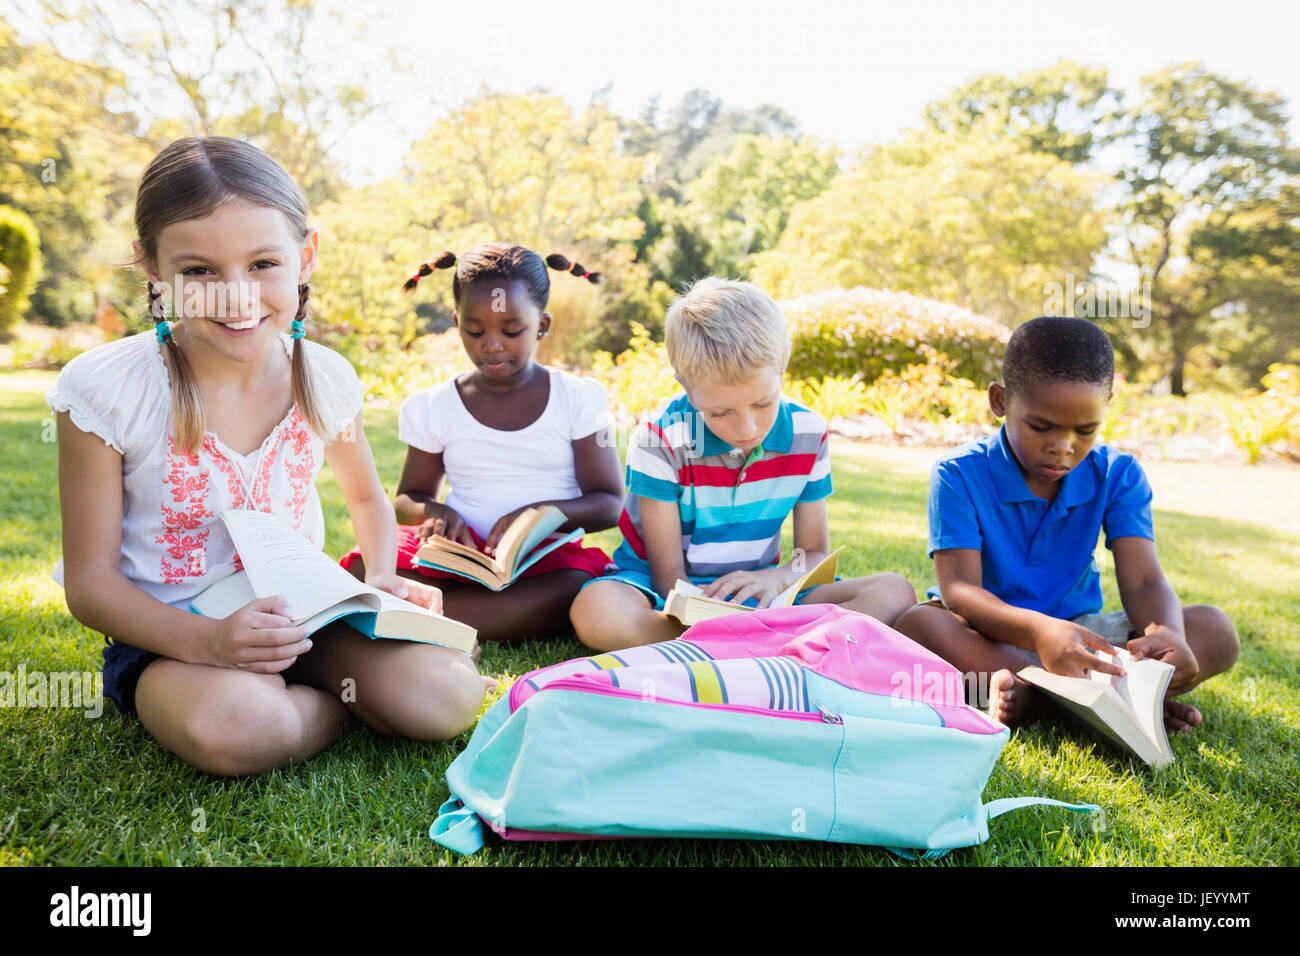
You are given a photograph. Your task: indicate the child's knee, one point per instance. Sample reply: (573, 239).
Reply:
(592, 611)
(1214, 638)
(439, 698)
(898, 590)
(924, 623)
(251, 731)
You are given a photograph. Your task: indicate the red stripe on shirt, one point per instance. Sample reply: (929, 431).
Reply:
(630, 535)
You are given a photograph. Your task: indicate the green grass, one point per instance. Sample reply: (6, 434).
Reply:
(89, 791)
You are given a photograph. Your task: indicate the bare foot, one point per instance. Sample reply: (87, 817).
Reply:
(1180, 717)
(1011, 700)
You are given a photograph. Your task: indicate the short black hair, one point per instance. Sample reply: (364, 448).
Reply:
(1054, 348)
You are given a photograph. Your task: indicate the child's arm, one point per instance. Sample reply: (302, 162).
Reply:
(417, 498)
(600, 477)
(661, 529)
(812, 542)
(1153, 609)
(372, 517)
(258, 637)
(1061, 645)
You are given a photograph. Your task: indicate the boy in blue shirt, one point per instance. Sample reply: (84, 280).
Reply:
(1014, 520)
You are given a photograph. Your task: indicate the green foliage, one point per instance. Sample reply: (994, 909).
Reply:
(865, 332)
(742, 199)
(639, 379)
(20, 266)
(69, 158)
(927, 392)
(832, 396)
(1210, 209)
(1260, 420)
(1063, 110)
(986, 225)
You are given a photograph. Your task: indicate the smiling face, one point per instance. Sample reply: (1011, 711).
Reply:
(740, 414)
(240, 268)
(500, 327)
(1050, 427)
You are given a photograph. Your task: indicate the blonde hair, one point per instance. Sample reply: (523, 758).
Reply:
(188, 179)
(725, 331)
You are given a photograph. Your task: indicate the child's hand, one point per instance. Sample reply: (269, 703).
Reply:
(498, 529)
(1063, 649)
(417, 592)
(1161, 644)
(739, 586)
(446, 522)
(258, 637)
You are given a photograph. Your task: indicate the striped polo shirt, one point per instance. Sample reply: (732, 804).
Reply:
(731, 506)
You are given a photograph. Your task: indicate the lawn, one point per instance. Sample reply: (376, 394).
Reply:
(80, 791)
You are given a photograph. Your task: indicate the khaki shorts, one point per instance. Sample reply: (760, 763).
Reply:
(1113, 626)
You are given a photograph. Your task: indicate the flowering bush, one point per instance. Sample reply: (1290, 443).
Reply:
(639, 379)
(866, 332)
(831, 397)
(927, 392)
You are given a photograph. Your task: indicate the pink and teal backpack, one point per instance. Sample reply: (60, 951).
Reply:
(808, 722)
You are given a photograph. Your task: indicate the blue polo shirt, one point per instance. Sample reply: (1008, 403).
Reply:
(1037, 554)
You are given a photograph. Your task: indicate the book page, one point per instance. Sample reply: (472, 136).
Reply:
(281, 561)
(823, 572)
(527, 531)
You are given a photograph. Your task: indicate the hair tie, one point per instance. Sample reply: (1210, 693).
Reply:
(164, 330)
(296, 331)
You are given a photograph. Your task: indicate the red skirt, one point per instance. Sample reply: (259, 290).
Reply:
(572, 556)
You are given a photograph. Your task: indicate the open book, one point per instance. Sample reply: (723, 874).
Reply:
(278, 560)
(687, 603)
(1128, 711)
(523, 545)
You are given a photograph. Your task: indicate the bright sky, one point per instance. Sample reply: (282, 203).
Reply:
(853, 71)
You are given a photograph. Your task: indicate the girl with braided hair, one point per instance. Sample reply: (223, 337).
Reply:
(510, 435)
(160, 433)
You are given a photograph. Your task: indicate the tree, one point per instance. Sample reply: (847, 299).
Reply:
(245, 68)
(523, 169)
(741, 201)
(69, 158)
(1210, 207)
(1064, 110)
(986, 225)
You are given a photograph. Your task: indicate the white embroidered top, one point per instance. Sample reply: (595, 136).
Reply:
(173, 541)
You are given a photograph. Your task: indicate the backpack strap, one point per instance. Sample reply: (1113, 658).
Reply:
(457, 828)
(993, 809)
(996, 808)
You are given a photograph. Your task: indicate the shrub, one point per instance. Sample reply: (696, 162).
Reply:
(866, 332)
(639, 378)
(831, 397)
(20, 266)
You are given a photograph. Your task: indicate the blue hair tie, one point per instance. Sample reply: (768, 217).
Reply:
(296, 331)
(164, 331)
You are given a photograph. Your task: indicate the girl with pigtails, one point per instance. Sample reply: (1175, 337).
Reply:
(509, 435)
(231, 408)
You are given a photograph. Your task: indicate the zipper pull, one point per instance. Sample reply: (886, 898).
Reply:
(827, 716)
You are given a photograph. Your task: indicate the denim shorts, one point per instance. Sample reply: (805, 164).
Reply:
(123, 665)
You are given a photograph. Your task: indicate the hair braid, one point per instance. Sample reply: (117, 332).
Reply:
(444, 261)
